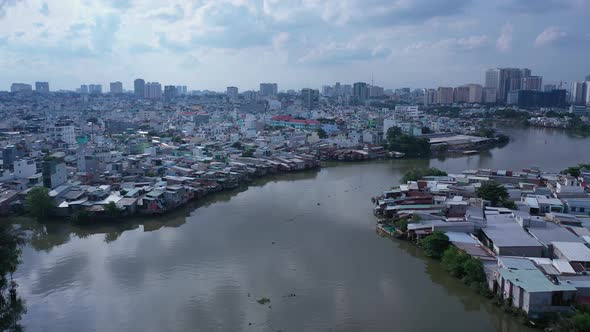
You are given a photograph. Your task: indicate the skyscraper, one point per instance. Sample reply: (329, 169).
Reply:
(429, 97)
(95, 89)
(42, 87)
(461, 94)
(505, 80)
(20, 87)
(475, 93)
(532, 83)
(170, 92)
(444, 95)
(310, 98)
(84, 89)
(268, 89)
(579, 90)
(587, 79)
(181, 90)
(489, 95)
(139, 88)
(360, 92)
(116, 88)
(153, 90)
(232, 92)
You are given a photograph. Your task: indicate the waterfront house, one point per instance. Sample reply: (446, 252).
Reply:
(527, 288)
(505, 236)
(576, 253)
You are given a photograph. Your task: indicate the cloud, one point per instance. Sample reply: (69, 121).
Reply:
(280, 39)
(504, 42)
(334, 53)
(119, 4)
(549, 36)
(364, 12)
(44, 9)
(103, 32)
(449, 44)
(169, 15)
(4, 4)
(541, 6)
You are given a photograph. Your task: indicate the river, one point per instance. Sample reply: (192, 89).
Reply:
(306, 241)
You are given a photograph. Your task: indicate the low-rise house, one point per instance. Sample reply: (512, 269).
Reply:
(576, 253)
(528, 289)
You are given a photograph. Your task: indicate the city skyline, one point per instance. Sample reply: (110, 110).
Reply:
(295, 43)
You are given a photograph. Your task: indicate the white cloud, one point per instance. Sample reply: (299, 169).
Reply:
(280, 39)
(504, 42)
(450, 44)
(549, 36)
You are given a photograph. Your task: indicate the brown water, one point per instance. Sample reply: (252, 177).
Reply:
(309, 234)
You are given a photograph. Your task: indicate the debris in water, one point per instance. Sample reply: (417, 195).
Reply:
(263, 300)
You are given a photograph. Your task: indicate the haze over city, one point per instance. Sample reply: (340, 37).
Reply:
(305, 43)
(295, 165)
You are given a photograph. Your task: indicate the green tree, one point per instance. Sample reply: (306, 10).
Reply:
(435, 244)
(453, 261)
(402, 225)
(581, 321)
(11, 306)
(112, 210)
(474, 272)
(419, 173)
(322, 133)
(492, 191)
(411, 146)
(39, 204)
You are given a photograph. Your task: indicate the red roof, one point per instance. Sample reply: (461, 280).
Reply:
(288, 118)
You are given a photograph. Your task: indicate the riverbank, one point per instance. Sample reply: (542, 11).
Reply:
(506, 246)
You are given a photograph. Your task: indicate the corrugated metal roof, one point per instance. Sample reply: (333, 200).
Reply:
(572, 251)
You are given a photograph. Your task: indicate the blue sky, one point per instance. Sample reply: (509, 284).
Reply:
(210, 44)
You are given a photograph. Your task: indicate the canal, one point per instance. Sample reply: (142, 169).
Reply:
(305, 241)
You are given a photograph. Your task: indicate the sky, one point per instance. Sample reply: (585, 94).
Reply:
(211, 44)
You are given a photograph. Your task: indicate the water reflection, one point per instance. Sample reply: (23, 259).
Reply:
(310, 234)
(45, 236)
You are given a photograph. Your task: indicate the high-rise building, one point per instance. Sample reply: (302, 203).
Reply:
(587, 79)
(444, 95)
(84, 89)
(139, 88)
(360, 92)
(376, 91)
(587, 93)
(95, 89)
(489, 95)
(529, 98)
(310, 98)
(461, 94)
(42, 87)
(337, 89)
(170, 92)
(20, 87)
(232, 92)
(505, 80)
(429, 97)
(181, 90)
(531, 83)
(153, 90)
(268, 89)
(249, 95)
(578, 95)
(116, 87)
(475, 93)
(549, 87)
